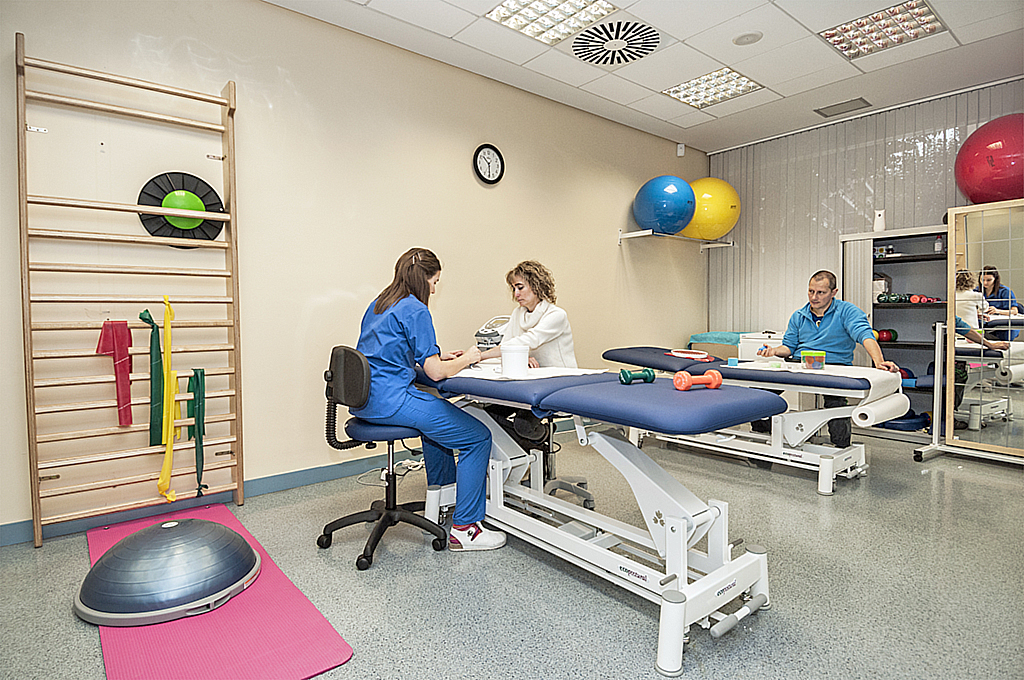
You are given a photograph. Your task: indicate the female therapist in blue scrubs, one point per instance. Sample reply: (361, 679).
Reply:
(397, 333)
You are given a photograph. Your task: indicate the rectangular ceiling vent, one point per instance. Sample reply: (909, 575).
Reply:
(843, 107)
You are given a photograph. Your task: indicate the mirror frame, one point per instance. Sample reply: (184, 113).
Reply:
(956, 235)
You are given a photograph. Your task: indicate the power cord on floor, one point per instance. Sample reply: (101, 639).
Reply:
(377, 476)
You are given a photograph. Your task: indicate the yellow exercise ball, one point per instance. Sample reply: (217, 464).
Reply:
(717, 209)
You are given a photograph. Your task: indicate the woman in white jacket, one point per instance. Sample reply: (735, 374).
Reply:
(537, 322)
(544, 327)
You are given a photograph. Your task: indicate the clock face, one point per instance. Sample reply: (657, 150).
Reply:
(488, 164)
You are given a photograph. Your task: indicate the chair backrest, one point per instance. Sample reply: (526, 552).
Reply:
(348, 378)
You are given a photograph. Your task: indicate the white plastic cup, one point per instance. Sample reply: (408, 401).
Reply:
(514, 360)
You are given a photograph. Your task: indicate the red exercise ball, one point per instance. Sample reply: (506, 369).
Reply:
(990, 164)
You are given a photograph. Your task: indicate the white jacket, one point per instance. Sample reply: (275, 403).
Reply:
(546, 331)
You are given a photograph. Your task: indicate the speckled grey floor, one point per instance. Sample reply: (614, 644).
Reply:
(916, 571)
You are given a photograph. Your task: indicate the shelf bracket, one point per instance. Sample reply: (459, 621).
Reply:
(704, 245)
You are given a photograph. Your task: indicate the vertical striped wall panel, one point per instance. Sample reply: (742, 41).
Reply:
(801, 192)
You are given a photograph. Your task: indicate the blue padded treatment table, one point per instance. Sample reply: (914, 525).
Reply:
(531, 392)
(660, 407)
(655, 357)
(652, 357)
(1005, 322)
(977, 352)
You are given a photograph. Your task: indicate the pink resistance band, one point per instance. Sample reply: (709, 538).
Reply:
(115, 339)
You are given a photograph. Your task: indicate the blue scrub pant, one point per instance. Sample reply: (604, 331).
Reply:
(445, 427)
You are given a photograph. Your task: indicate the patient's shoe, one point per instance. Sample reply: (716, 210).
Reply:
(474, 537)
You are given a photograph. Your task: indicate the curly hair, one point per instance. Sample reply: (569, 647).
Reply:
(964, 280)
(537, 276)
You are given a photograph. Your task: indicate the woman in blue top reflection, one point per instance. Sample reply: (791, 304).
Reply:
(1001, 301)
(397, 332)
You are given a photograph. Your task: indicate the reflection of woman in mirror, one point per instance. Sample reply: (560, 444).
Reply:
(970, 303)
(1001, 301)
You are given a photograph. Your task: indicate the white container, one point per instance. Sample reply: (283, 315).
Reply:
(879, 224)
(514, 360)
(751, 342)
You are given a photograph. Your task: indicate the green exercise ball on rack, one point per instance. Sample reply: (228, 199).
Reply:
(181, 191)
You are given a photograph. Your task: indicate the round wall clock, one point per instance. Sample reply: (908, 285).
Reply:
(488, 164)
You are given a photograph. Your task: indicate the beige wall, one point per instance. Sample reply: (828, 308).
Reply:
(349, 152)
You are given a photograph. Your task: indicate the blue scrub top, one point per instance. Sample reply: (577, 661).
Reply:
(841, 328)
(1003, 298)
(394, 342)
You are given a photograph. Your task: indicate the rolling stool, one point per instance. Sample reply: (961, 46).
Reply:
(348, 383)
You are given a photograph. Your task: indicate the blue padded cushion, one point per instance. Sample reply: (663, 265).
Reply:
(530, 392)
(660, 407)
(652, 357)
(977, 352)
(362, 431)
(1004, 322)
(808, 379)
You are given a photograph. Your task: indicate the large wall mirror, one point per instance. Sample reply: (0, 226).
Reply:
(985, 387)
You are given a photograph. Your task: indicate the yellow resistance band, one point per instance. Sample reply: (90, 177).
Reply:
(172, 410)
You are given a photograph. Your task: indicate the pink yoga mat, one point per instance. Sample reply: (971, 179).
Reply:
(269, 630)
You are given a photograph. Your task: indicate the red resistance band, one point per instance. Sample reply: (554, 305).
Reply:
(115, 339)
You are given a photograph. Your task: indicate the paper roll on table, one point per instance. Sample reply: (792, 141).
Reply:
(886, 408)
(1010, 374)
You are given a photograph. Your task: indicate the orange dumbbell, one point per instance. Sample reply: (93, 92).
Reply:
(684, 381)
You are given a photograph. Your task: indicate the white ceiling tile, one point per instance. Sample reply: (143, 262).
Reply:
(477, 7)
(810, 81)
(818, 15)
(683, 18)
(799, 58)
(959, 13)
(617, 89)
(501, 41)
(778, 29)
(669, 67)
(694, 117)
(906, 52)
(990, 27)
(742, 103)
(564, 68)
(662, 106)
(434, 15)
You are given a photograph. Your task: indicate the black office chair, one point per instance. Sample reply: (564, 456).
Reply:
(348, 383)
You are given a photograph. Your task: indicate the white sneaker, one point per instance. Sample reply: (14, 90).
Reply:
(475, 537)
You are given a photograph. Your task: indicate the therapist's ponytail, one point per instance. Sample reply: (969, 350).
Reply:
(412, 274)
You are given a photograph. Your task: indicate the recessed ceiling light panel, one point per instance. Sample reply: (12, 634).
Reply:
(886, 28)
(713, 88)
(615, 42)
(550, 21)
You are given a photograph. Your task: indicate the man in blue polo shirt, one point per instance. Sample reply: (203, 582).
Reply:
(835, 327)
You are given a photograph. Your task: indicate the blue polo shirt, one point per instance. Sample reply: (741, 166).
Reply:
(841, 328)
(1004, 299)
(394, 342)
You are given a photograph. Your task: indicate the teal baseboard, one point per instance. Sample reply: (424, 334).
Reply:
(21, 532)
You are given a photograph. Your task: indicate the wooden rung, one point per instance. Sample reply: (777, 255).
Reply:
(140, 427)
(47, 98)
(159, 500)
(121, 80)
(134, 377)
(113, 269)
(133, 299)
(129, 208)
(125, 238)
(137, 479)
(133, 325)
(125, 454)
(134, 351)
(112, 403)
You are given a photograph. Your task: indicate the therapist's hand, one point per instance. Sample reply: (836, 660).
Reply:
(448, 356)
(471, 355)
(532, 363)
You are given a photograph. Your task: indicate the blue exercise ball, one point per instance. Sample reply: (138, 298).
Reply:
(665, 204)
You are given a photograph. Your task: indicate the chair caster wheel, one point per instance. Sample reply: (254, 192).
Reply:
(588, 504)
(324, 540)
(439, 544)
(363, 562)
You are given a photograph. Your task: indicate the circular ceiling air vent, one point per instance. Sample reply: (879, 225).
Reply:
(616, 42)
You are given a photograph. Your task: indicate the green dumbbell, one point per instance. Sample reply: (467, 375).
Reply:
(627, 376)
